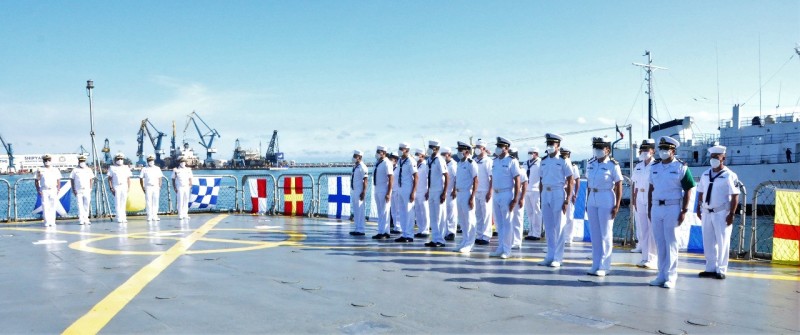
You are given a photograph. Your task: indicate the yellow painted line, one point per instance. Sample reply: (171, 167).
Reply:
(43, 230)
(99, 316)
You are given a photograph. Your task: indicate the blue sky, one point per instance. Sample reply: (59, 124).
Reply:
(332, 76)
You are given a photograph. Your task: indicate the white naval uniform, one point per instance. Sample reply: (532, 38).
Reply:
(120, 175)
(380, 181)
(569, 217)
(716, 231)
(421, 211)
(182, 179)
(450, 203)
(667, 197)
(533, 208)
(601, 177)
(465, 177)
(554, 172)
(82, 186)
(151, 178)
(436, 172)
(49, 184)
(517, 215)
(406, 169)
(483, 208)
(395, 203)
(356, 204)
(504, 171)
(644, 230)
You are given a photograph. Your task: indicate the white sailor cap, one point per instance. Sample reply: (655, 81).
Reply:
(433, 143)
(533, 149)
(503, 141)
(480, 143)
(151, 158)
(717, 149)
(550, 137)
(380, 148)
(46, 157)
(419, 151)
(668, 142)
(463, 145)
(119, 156)
(358, 152)
(446, 150)
(403, 145)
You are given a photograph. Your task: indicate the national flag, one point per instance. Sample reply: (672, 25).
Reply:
(293, 196)
(62, 205)
(204, 193)
(338, 197)
(621, 135)
(258, 194)
(786, 234)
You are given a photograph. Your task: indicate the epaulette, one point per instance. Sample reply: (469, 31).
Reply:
(657, 160)
(469, 160)
(613, 161)
(545, 157)
(592, 160)
(680, 161)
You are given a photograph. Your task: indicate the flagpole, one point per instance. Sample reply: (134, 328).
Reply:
(102, 208)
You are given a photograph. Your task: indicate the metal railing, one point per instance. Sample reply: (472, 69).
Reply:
(164, 197)
(763, 216)
(5, 208)
(226, 199)
(26, 196)
(309, 191)
(271, 196)
(324, 196)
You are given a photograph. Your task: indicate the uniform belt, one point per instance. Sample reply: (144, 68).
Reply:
(642, 190)
(552, 188)
(465, 189)
(501, 190)
(595, 190)
(717, 209)
(671, 202)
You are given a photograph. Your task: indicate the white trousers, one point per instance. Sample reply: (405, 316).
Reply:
(716, 240)
(517, 219)
(665, 229)
(601, 228)
(395, 210)
(553, 225)
(121, 202)
(569, 222)
(151, 195)
(644, 232)
(421, 213)
(450, 213)
(49, 198)
(502, 217)
(483, 214)
(406, 209)
(437, 216)
(383, 208)
(533, 209)
(359, 211)
(84, 200)
(183, 202)
(466, 219)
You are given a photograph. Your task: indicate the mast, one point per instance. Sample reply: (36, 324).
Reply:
(649, 67)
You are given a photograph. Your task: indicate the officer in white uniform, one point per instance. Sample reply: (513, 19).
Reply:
(569, 216)
(119, 181)
(395, 227)
(670, 185)
(644, 231)
(466, 188)
(407, 192)
(182, 183)
(382, 184)
(506, 181)
(82, 178)
(437, 179)
(358, 193)
(47, 185)
(421, 211)
(450, 202)
(718, 200)
(533, 207)
(556, 188)
(604, 181)
(517, 215)
(150, 181)
(483, 204)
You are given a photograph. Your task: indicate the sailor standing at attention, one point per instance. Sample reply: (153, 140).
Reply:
(556, 190)
(395, 226)
(47, 185)
(182, 183)
(407, 192)
(517, 219)
(604, 181)
(358, 189)
(569, 216)
(437, 179)
(644, 230)
(505, 178)
(420, 204)
(668, 197)
(151, 184)
(382, 182)
(533, 207)
(719, 196)
(450, 202)
(82, 178)
(466, 187)
(119, 181)
(483, 204)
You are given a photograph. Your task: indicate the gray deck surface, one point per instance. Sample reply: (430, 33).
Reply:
(326, 281)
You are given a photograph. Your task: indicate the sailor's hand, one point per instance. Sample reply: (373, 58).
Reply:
(388, 197)
(699, 214)
(361, 196)
(564, 208)
(511, 205)
(681, 217)
(472, 202)
(453, 194)
(426, 196)
(488, 196)
(442, 198)
(729, 219)
(521, 203)
(614, 211)
(412, 197)
(574, 197)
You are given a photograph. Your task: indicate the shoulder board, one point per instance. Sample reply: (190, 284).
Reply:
(546, 157)
(682, 162)
(613, 161)
(469, 160)
(657, 160)
(592, 160)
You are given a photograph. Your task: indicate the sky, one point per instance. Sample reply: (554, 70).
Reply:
(333, 76)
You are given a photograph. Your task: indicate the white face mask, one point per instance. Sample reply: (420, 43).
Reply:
(663, 154)
(119, 162)
(599, 153)
(430, 152)
(151, 163)
(354, 160)
(477, 152)
(551, 149)
(82, 164)
(377, 157)
(47, 164)
(182, 164)
(715, 163)
(530, 156)
(498, 151)
(644, 156)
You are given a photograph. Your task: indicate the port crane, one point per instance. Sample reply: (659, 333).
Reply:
(156, 138)
(207, 138)
(238, 155)
(10, 152)
(273, 156)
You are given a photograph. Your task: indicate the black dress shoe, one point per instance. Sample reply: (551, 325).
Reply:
(430, 244)
(408, 239)
(440, 245)
(494, 233)
(706, 274)
(532, 238)
(395, 232)
(450, 237)
(421, 235)
(719, 275)
(357, 233)
(387, 236)
(481, 242)
(352, 233)
(377, 237)
(400, 239)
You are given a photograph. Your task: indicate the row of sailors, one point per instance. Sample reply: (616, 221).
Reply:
(428, 190)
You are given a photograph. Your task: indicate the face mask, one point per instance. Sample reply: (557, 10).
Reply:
(663, 154)
(151, 163)
(430, 152)
(599, 153)
(644, 156)
(498, 151)
(47, 164)
(377, 157)
(183, 164)
(530, 156)
(477, 152)
(119, 162)
(82, 164)
(715, 163)
(551, 149)
(461, 156)
(354, 160)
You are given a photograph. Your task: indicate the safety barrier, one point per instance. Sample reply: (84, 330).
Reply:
(5, 200)
(738, 234)
(624, 227)
(333, 199)
(270, 188)
(763, 216)
(226, 198)
(290, 192)
(164, 197)
(26, 196)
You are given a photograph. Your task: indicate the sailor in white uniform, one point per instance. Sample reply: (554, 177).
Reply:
(533, 207)
(716, 206)
(82, 179)
(517, 215)
(407, 192)
(506, 181)
(358, 193)
(421, 209)
(668, 197)
(47, 185)
(394, 224)
(483, 204)
(556, 189)
(604, 183)
(569, 216)
(466, 188)
(182, 184)
(450, 202)
(150, 181)
(644, 230)
(382, 184)
(119, 181)
(437, 179)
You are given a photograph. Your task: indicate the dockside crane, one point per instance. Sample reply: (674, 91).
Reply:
(273, 156)
(106, 152)
(207, 138)
(10, 152)
(238, 155)
(156, 138)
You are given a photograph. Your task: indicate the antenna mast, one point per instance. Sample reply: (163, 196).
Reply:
(649, 67)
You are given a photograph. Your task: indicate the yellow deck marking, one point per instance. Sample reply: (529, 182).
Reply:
(97, 318)
(44, 230)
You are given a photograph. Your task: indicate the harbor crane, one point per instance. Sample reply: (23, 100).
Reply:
(10, 152)
(106, 152)
(239, 155)
(156, 138)
(207, 138)
(273, 156)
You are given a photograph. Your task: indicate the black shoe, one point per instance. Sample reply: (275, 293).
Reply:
(481, 242)
(401, 239)
(430, 244)
(352, 233)
(387, 236)
(421, 235)
(440, 245)
(395, 232)
(357, 233)
(450, 237)
(408, 239)
(458, 231)
(706, 274)
(719, 275)
(494, 233)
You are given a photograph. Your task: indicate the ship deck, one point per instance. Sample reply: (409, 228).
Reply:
(228, 274)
